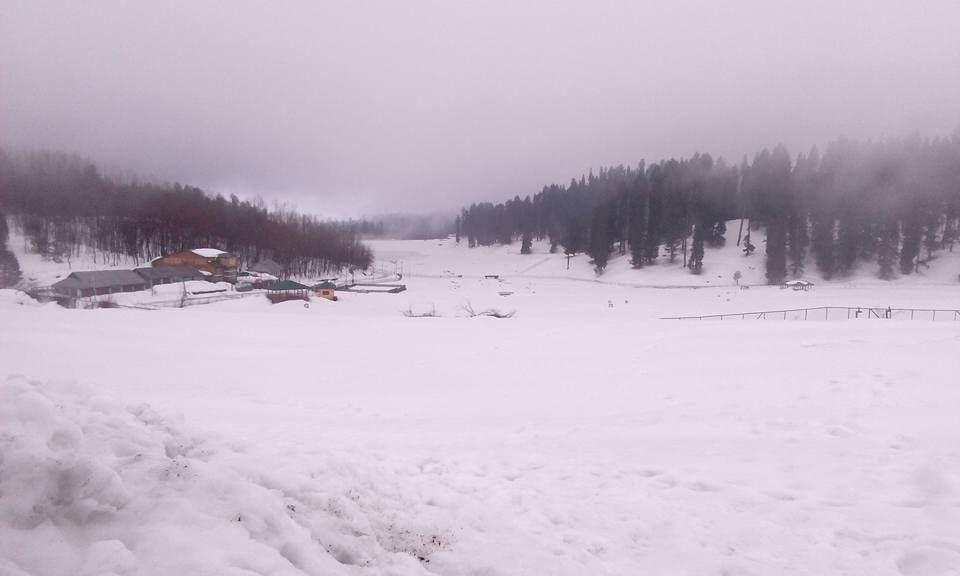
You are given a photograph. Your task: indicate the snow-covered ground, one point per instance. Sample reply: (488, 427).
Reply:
(581, 436)
(39, 271)
(186, 293)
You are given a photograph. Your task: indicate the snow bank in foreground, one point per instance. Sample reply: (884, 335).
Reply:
(87, 487)
(16, 298)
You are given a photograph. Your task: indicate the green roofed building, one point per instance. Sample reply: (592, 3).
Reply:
(287, 290)
(288, 286)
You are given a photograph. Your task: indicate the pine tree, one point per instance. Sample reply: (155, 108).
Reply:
(823, 240)
(776, 251)
(696, 254)
(848, 242)
(526, 243)
(714, 234)
(637, 234)
(931, 227)
(888, 240)
(601, 236)
(912, 236)
(797, 238)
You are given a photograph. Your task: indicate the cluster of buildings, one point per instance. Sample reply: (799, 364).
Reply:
(201, 264)
(207, 264)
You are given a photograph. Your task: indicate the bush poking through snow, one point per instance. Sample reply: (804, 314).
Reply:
(419, 544)
(412, 312)
(492, 312)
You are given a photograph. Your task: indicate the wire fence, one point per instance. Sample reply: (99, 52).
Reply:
(835, 313)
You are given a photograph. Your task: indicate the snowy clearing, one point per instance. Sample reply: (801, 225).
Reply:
(581, 436)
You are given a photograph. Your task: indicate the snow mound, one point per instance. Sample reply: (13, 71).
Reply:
(87, 487)
(16, 298)
(172, 294)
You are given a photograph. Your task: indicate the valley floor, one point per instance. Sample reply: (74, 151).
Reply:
(581, 436)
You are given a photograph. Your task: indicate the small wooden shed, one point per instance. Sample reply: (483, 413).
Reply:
(326, 290)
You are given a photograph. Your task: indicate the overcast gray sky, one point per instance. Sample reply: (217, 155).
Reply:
(360, 107)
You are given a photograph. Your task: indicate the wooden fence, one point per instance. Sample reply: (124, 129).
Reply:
(834, 313)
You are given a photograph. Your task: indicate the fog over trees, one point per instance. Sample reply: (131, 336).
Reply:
(66, 207)
(895, 202)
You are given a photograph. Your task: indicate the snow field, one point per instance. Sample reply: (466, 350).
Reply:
(574, 438)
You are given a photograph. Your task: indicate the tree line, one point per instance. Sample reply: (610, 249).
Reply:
(895, 202)
(66, 208)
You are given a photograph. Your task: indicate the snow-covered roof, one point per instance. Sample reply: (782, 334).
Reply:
(208, 252)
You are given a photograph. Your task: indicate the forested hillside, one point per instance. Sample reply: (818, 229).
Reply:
(895, 202)
(66, 207)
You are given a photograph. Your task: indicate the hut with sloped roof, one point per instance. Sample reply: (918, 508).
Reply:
(326, 290)
(99, 282)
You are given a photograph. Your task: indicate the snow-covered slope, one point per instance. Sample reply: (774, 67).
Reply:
(444, 258)
(39, 271)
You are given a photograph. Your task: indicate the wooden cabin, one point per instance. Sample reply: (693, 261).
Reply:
(221, 266)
